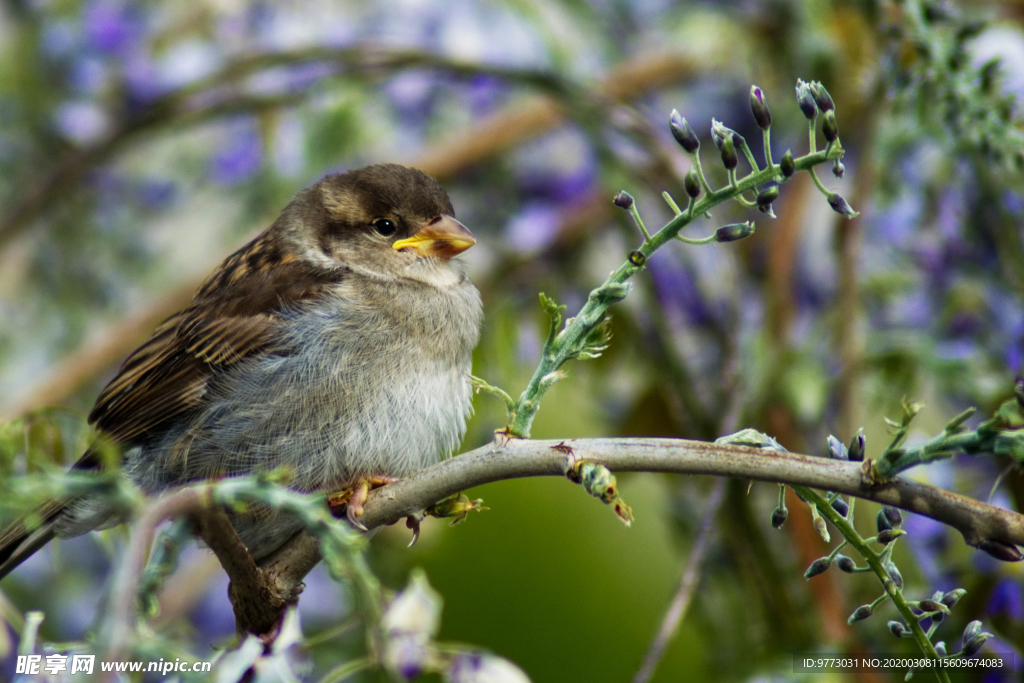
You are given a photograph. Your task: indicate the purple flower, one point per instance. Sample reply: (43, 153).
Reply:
(678, 291)
(928, 541)
(240, 158)
(1007, 599)
(533, 228)
(81, 122)
(156, 193)
(483, 94)
(111, 27)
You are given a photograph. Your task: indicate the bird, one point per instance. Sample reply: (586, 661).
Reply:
(336, 344)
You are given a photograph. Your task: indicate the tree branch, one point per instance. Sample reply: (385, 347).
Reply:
(978, 522)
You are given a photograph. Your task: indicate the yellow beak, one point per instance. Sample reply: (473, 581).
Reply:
(443, 237)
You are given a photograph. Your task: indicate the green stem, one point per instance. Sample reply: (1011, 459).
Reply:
(875, 561)
(343, 671)
(942, 446)
(671, 203)
(700, 174)
(768, 148)
(592, 313)
(824, 190)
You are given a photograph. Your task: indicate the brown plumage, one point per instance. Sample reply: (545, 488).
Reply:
(367, 250)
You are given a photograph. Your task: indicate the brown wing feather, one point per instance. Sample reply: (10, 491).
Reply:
(235, 314)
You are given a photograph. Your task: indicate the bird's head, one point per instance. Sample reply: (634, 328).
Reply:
(387, 220)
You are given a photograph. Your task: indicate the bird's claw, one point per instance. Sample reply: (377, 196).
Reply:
(413, 522)
(354, 498)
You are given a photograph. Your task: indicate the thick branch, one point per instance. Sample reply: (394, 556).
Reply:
(976, 521)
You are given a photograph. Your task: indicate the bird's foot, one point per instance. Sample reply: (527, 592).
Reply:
(354, 497)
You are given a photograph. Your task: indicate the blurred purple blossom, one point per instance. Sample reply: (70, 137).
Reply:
(111, 26)
(81, 122)
(413, 94)
(156, 193)
(896, 222)
(211, 614)
(185, 62)
(558, 185)
(914, 309)
(533, 228)
(88, 75)
(483, 94)
(240, 157)
(928, 540)
(59, 38)
(678, 291)
(1007, 599)
(956, 349)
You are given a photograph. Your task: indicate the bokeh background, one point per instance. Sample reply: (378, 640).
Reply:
(142, 142)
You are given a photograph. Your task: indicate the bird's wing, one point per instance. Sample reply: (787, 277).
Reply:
(236, 314)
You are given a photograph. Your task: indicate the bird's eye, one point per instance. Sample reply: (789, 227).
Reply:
(384, 227)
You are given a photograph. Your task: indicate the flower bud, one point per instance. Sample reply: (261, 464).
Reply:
(479, 667)
(862, 612)
(829, 127)
(952, 597)
(857, 446)
(1001, 551)
(892, 515)
(836, 449)
(882, 521)
(734, 232)
(894, 574)
(888, 536)
(897, 628)
(845, 564)
(729, 158)
(973, 646)
(768, 194)
(759, 108)
(933, 606)
(841, 506)
(623, 200)
(779, 516)
(805, 100)
(683, 133)
(821, 96)
(838, 169)
(787, 165)
(415, 610)
(691, 183)
(819, 566)
(940, 648)
(821, 527)
(719, 132)
(971, 630)
(841, 206)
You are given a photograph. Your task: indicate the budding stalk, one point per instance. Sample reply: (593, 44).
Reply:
(683, 133)
(759, 108)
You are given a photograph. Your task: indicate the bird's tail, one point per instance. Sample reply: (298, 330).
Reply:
(18, 542)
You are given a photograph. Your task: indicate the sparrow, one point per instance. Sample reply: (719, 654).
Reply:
(336, 344)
